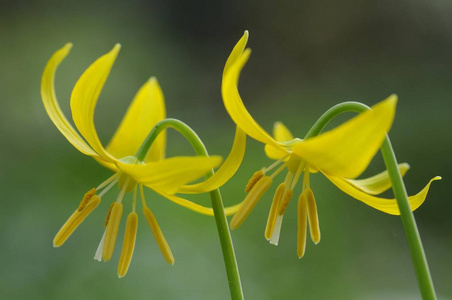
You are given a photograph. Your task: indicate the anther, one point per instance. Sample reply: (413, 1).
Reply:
(108, 215)
(158, 235)
(312, 216)
(287, 196)
(75, 220)
(253, 180)
(274, 211)
(128, 244)
(112, 231)
(250, 201)
(86, 198)
(302, 224)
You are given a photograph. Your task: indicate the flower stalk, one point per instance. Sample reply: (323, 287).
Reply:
(227, 247)
(409, 223)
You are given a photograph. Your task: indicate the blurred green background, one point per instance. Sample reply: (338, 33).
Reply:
(307, 56)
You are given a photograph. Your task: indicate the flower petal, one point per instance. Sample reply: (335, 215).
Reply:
(170, 174)
(379, 183)
(347, 150)
(146, 110)
(281, 132)
(236, 52)
(388, 206)
(53, 108)
(84, 98)
(196, 207)
(226, 170)
(231, 97)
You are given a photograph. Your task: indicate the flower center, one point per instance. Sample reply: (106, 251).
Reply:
(125, 180)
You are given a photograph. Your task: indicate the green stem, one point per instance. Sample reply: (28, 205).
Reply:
(232, 270)
(409, 223)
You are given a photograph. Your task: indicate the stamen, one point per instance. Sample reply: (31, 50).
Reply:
(312, 216)
(158, 235)
(128, 244)
(282, 167)
(297, 175)
(273, 165)
(275, 236)
(306, 183)
(274, 211)
(250, 201)
(253, 180)
(108, 215)
(112, 231)
(100, 248)
(88, 195)
(108, 187)
(302, 224)
(134, 201)
(75, 220)
(106, 182)
(287, 196)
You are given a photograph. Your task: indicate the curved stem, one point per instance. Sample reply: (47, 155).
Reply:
(409, 223)
(232, 270)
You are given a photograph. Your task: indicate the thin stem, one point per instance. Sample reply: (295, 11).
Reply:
(227, 247)
(409, 223)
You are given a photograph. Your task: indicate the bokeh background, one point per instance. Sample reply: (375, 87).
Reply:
(307, 56)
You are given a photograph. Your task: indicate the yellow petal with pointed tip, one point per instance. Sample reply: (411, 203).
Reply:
(84, 99)
(379, 183)
(234, 104)
(236, 52)
(347, 150)
(226, 170)
(146, 110)
(281, 132)
(170, 174)
(53, 108)
(388, 206)
(128, 245)
(198, 208)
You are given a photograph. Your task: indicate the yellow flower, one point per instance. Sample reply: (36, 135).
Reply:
(164, 176)
(341, 154)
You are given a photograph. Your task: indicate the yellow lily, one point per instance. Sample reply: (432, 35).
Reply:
(164, 176)
(341, 154)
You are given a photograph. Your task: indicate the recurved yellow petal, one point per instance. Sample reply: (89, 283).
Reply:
(234, 104)
(196, 207)
(379, 183)
(226, 170)
(236, 52)
(170, 174)
(84, 99)
(53, 108)
(388, 206)
(146, 110)
(347, 150)
(274, 153)
(128, 245)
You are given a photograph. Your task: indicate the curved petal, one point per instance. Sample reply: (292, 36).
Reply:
(281, 132)
(347, 150)
(196, 207)
(274, 153)
(388, 206)
(84, 98)
(170, 174)
(146, 110)
(236, 52)
(234, 104)
(379, 183)
(107, 165)
(53, 108)
(226, 170)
